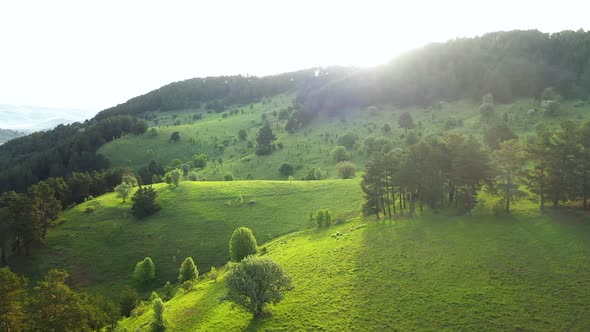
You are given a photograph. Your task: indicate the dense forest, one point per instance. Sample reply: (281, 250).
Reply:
(507, 64)
(449, 172)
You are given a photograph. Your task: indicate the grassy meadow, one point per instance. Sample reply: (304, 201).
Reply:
(311, 146)
(100, 248)
(524, 272)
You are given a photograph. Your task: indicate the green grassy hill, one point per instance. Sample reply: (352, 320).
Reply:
(526, 272)
(311, 146)
(100, 248)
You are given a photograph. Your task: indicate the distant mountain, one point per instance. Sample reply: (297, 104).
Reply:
(29, 118)
(8, 134)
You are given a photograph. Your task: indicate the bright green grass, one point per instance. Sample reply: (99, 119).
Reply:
(311, 146)
(100, 249)
(526, 272)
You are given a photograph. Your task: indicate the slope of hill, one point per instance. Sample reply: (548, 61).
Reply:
(524, 272)
(310, 147)
(510, 65)
(99, 242)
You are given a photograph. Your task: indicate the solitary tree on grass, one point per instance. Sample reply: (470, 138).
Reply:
(188, 270)
(123, 190)
(242, 244)
(255, 282)
(144, 202)
(145, 272)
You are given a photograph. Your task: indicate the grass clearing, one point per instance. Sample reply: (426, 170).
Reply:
(526, 272)
(100, 248)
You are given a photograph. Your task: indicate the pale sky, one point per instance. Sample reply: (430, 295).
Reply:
(91, 55)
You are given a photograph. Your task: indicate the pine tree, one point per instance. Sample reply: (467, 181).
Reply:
(188, 270)
(264, 140)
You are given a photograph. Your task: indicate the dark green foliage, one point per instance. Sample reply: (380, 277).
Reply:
(228, 177)
(314, 174)
(167, 291)
(298, 119)
(286, 169)
(508, 65)
(144, 202)
(79, 184)
(255, 282)
(339, 154)
(13, 290)
(45, 205)
(264, 140)
(144, 272)
(434, 172)
(128, 301)
(498, 134)
(242, 244)
(411, 138)
(175, 136)
(55, 307)
(242, 134)
(323, 218)
(188, 270)
(406, 121)
(347, 140)
(200, 161)
(510, 161)
(59, 152)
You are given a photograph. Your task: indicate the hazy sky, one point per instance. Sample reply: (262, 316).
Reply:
(95, 54)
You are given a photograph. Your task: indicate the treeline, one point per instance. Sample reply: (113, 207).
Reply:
(218, 92)
(449, 172)
(61, 151)
(51, 305)
(25, 217)
(508, 64)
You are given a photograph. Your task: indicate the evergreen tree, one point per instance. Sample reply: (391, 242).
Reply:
(145, 272)
(158, 324)
(406, 121)
(144, 202)
(510, 162)
(264, 140)
(536, 179)
(242, 244)
(188, 270)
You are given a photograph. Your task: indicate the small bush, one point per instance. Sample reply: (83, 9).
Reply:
(167, 291)
(339, 154)
(286, 169)
(187, 285)
(228, 177)
(346, 169)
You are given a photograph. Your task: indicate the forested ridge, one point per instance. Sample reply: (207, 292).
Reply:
(507, 64)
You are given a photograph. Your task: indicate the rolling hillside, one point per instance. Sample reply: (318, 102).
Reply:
(526, 272)
(100, 248)
(311, 146)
